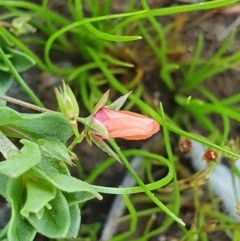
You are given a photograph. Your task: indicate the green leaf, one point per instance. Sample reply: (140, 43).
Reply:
(3, 185)
(4, 41)
(39, 193)
(71, 184)
(34, 126)
(5, 83)
(3, 67)
(22, 161)
(54, 149)
(20, 61)
(75, 216)
(19, 229)
(55, 221)
(50, 165)
(78, 197)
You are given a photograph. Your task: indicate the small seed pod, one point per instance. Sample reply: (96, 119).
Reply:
(210, 155)
(184, 145)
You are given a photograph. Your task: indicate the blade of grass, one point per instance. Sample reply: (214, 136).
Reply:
(20, 81)
(142, 185)
(175, 10)
(70, 27)
(110, 37)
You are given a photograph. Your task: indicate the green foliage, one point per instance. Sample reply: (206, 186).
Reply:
(54, 149)
(99, 49)
(13, 62)
(19, 228)
(34, 126)
(19, 163)
(18, 59)
(55, 219)
(203, 69)
(35, 180)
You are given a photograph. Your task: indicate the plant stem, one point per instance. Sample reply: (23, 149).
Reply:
(24, 104)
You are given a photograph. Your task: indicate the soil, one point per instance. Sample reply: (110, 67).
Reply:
(212, 25)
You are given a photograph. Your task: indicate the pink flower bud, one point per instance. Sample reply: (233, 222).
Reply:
(125, 124)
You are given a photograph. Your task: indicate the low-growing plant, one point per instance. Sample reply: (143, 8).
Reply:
(96, 50)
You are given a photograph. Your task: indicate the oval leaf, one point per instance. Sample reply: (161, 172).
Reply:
(72, 184)
(19, 229)
(39, 194)
(55, 221)
(34, 126)
(75, 221)
(22, 161)
(55, 150)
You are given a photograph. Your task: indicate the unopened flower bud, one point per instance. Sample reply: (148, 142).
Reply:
(67, 103)
(184, 145)
(125, 124)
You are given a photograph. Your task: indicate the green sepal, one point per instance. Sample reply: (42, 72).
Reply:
(118, 103)
(92, 126)
(55, 221)
(103, 146)
(20, 162)
(99, 129)
(101, 102)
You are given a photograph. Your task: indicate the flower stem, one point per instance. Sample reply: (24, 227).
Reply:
(24, 104)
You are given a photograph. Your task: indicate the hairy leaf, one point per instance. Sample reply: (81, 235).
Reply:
(22, 161)
(19, 229)
(39, 194)
(72, 184)
(75, 216)
(55, 221)
(54, 149)
(34, 126)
